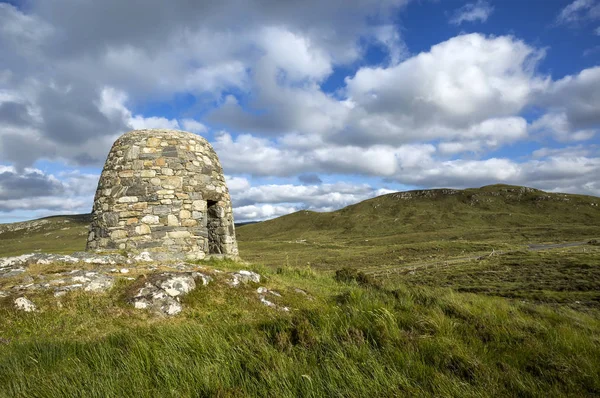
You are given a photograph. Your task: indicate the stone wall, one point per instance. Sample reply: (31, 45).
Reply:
(163, 191)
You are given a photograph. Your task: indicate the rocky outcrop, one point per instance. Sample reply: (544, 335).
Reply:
(163, 191)
(162, 292)
(154, 286)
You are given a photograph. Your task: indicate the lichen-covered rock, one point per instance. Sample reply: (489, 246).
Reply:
(243, 277)
(10, 266)
(162, 292)
(159, 287)
(24, 304)
(178, 285)
(99, 283)
(163, 191)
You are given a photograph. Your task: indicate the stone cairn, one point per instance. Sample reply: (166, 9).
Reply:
(163, 191)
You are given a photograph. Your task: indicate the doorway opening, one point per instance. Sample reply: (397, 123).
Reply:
(213, 222)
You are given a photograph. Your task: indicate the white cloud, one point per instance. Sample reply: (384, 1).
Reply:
(578, 96)
(138, 122)
(489, 134)
(265, 201)
(558, 125)
(260, 157)
(472, 12)
(389, 37)
(565, 171)
(453, 88)
(237, 184)
(193, 126)
(256, 156)
(466, 75)
(294, 54)
(61, 65)
(261, 212)
(32, 189)
(579, 10)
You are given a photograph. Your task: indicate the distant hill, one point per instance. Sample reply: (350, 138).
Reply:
(436, 210)
(411, 227)
(56, 234)
(499, 212)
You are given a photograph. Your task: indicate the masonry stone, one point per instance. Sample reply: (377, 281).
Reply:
(163, 191)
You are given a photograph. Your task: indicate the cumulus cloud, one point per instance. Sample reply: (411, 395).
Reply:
(32, 189)
(261, 212)
(569, 151)
(472, 12)
(578, 96)
(460, 86)
(60, 64)
(32, 183)
(555, 170)
(194, 126)
(252, 203)
(558, 125)
(466, 79)
(262, 157)
(257, 71)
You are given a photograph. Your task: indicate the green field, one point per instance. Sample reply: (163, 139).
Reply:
(353, 339)
(436, 293)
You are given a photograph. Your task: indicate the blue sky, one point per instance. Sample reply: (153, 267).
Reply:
(309, 106)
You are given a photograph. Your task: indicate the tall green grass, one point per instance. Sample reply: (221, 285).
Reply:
(351, 338)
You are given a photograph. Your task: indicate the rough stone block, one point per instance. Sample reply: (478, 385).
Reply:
(199, 205)
(142, 229)
(147, 173)
(150, 219)
(127, 199)
(172, 220)
(118, 234)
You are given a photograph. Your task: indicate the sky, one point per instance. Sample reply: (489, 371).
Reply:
(309, 105)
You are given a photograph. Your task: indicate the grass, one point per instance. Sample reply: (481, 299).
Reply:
(396, 304)
(353, 339)
(560, 276)
(58, 234)
(395, 230)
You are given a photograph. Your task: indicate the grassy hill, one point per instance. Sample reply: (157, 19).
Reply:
(479, 211)
(422, 293)
(401, 228)
(501, 214)
(57, 234)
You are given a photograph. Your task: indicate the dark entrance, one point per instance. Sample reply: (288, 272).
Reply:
(213, 224)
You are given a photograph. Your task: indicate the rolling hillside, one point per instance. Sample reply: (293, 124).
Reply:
(496, 207)
(57, 234)
(402, 228)
(381, 231)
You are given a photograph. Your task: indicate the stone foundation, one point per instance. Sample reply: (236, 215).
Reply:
(163, 191)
